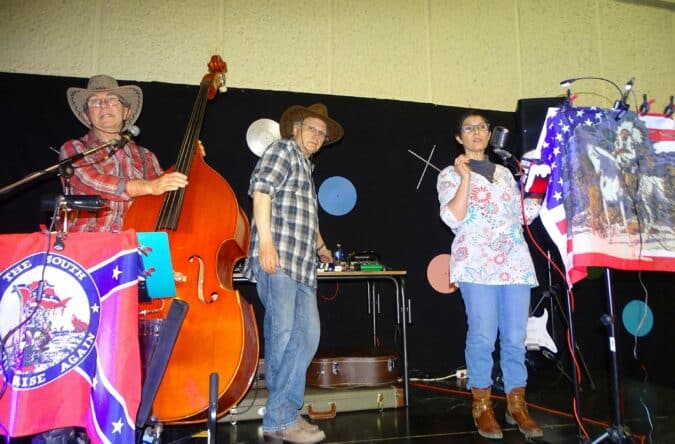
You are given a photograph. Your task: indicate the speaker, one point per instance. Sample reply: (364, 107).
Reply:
(530, 118)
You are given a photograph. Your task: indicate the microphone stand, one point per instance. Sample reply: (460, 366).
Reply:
(61, 204)
(617, 432)
(64, 167)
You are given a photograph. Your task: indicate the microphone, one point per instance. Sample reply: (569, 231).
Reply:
(130, 133)
(626, 89)
(498, 141)
(125, 137)
(621, 105)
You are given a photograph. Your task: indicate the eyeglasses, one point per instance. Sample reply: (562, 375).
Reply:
(481, 127)
(99, 102)
(323, 134)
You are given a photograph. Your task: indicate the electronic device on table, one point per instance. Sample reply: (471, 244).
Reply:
(356, 261)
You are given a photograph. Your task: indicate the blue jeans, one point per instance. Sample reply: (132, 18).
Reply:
(292, 332)
(491, 309)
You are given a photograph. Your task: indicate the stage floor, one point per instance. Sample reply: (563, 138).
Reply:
(440, 412)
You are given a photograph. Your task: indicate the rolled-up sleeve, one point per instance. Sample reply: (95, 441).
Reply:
(447, 185)
(271, 170)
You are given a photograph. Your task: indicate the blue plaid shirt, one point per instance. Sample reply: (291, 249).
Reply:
(285, 175)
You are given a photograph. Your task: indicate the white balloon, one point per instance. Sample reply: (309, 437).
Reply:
(261, 134)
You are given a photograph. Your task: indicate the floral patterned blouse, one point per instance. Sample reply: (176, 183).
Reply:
(489, 246)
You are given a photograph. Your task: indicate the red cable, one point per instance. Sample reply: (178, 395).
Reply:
(331, 298)
(570, 348)
(534, 406)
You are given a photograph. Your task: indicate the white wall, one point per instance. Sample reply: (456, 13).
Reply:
(478, 53)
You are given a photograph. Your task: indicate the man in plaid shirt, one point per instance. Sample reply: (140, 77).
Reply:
(285, 240)
(117, 175)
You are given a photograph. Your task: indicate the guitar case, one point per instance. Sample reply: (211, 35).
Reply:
(353, 369)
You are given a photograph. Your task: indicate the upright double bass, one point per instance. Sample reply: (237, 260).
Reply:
(208, 233)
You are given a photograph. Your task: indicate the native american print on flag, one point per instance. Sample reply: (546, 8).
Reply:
(610, 198)
(69, 323)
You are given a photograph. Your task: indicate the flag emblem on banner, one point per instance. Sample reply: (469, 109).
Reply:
(52, 308)
(71, 329)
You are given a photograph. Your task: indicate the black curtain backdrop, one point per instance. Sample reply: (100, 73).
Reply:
(391, 216)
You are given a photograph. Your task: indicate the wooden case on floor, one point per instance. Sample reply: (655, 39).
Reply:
(322, 403)
(353, 369)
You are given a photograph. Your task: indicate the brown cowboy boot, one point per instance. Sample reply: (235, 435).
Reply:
(483, 415)
(517, 414)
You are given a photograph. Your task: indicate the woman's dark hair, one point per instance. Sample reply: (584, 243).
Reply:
(467, 114)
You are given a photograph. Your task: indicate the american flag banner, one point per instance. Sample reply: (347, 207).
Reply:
(609, 201)
(69, 329)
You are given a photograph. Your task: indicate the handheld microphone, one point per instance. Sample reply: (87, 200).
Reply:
(498, 141)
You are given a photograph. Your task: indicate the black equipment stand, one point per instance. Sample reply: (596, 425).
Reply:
(211, 424)
(616, 432)
(551, 296)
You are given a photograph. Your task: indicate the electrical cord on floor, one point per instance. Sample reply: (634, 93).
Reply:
(459, 373)
(640, 438)
(441, 378)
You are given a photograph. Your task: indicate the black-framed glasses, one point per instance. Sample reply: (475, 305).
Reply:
(480, 127)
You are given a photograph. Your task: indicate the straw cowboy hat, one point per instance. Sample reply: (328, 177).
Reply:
(130, 95)
(297, 113)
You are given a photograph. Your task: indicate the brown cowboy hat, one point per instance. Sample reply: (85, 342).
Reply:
(130, 95)
(297, 113)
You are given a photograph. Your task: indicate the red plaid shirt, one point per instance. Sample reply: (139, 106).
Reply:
(96, 175)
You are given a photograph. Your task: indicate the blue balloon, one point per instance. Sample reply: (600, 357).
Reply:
(638, 318)
(337, 195)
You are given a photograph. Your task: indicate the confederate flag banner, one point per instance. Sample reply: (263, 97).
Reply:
(610, 199)
(69, 331)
